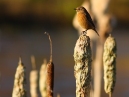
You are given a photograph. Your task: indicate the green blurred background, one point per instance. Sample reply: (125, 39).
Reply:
(51, 13)
(22, 27)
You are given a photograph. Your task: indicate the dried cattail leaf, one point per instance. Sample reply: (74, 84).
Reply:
(19, 81)
(42, 80)
(82, 68)
(109, 62)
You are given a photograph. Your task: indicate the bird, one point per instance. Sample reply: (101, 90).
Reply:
(84, 19)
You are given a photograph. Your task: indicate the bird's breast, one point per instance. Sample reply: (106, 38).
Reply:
(82, 20)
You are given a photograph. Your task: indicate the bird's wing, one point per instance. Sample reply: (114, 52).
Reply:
(89, 18)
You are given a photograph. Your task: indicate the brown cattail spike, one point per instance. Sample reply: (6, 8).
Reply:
(50, 79)
(50, 72)
(50, 45)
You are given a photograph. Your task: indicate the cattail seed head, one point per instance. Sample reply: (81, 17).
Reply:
(109, 63)
(33, 79)
(34, 83)
(42, 80)
(19, 81)
(50, 79)
(82, 67)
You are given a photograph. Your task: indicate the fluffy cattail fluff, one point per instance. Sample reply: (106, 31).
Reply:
(82, 68)
(19, 81)
(50, 72)
(109, 62)
(42, 80)
(33, 79)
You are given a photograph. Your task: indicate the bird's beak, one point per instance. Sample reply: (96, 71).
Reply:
(75, 9)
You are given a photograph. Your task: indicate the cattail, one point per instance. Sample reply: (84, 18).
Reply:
(109, 62)
(58, 95)
(50, 72)
(19, 81)
(33, 79)
(82, 68)
(50, 79)
(42, 80)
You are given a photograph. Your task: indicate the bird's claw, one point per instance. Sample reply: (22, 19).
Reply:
(84, 32)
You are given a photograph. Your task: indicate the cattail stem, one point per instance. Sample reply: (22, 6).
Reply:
(82, 68)
(110, 94)
(33, 79)
(50, 45)
(58, 95)
(109, 62)
(33, 62)
(50, 72)
(19, 81)
(42, 80)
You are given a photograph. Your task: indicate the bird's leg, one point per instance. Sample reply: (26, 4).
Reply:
(86, 31)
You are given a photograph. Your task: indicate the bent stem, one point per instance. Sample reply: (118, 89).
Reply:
(50, 45)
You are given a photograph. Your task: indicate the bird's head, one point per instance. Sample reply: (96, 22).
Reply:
(80, 9)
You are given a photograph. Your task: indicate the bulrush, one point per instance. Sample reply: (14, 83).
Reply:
(19, 81)
(82, 67)
(33, 79)
(50, 72)
(42, 79)
(109, 63)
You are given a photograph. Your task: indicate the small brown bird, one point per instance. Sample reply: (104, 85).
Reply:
(84, 19)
